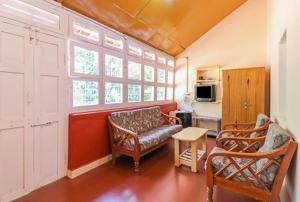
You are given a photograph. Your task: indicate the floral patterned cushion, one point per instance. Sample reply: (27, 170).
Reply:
(140, 120)
(276, 137)
(261, 120)
(153, 137)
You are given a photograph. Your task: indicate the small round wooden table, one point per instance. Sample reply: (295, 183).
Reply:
(191, 155)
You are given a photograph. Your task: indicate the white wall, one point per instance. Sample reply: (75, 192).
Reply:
(285, 15)
(237, 41)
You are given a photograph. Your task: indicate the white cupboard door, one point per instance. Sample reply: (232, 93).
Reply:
(48, 125)
(16, 71)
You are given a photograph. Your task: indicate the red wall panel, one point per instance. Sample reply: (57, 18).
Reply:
(88, 135)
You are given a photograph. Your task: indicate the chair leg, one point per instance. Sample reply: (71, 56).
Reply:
(210, 192)
(136, 165)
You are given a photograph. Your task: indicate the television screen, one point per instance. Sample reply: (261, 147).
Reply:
(204, 92)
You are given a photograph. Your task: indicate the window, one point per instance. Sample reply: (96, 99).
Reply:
(82, 31)
(85, 93)
(134, 93)
(148, 73)
(169, 93)
(161, 93)
(112, 42)
(133, 50)
(113, 66)
(86, 61)
(161, 76)
(113, 93)
(134, 70)
(161, 60)
(148, 93)
(171, 63)
(170, 77)
(149, 56)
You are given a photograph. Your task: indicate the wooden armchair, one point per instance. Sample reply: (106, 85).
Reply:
(258, 175)
(136, 133)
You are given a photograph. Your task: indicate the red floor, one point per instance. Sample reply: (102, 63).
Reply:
(159, 181)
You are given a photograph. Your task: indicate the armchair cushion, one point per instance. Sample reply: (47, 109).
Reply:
(275, 138)
(140, 120)
(261, 120)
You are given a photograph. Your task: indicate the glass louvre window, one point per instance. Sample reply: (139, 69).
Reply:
(134, 71)
(134, 93)
(85, 93)
(161, 76)
(82, 31)
(86, 61)
(113, 66)
(134, 50)
(169, 93)
(115, 43)
(161, 93)
(161, 60)
(148, 73)
(148, 93)
(113, 93)
(171, 63)
(170, 77)
(149, 56)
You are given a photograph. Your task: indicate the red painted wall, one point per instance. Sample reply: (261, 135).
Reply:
(88, 135)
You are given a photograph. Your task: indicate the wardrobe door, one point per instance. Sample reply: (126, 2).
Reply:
(256, 91)
(16, 69)
(233, 96)
(48, 127)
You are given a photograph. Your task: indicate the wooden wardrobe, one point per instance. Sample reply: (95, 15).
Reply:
(245, 94)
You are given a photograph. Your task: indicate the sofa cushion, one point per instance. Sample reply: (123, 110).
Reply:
(275, 138)
(261, 120)
(155, 136)
(140, 120)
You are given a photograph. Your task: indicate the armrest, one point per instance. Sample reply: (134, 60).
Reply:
(171, 119)
(121, 135)
(242, 133)
(239, 126)
(240, 144)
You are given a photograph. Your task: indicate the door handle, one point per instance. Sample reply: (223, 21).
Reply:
(42, 124)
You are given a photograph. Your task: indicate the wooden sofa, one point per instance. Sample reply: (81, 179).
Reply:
(137, 132)
(256, 174)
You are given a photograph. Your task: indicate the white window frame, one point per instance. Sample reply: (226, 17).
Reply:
(135, 44)
(88, 25)
(113, 35)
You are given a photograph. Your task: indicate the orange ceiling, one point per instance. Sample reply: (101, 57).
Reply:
(169, 25)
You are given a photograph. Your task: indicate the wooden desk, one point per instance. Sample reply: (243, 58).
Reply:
(192, 155)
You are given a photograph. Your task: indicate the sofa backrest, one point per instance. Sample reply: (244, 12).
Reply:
(139, 120)
(261, 120)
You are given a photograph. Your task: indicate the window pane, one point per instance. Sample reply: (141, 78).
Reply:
(148, 93)
(86, 61)
(171, 63)
(134, 70)
(149, 56)
(135, 50)
(134, 93)
(113, 93)
(82, 31)
(113, 42)
(113, 66)
(170, 77)
(161, 76)
(161, 60)
(161, 93)
(85, 93)
(169, 93)
(148, 73)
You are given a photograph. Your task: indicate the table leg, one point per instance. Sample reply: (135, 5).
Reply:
(177, 152)
(204, 146)
(194, 156)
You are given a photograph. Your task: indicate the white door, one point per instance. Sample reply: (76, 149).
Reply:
(49, 118)
(16, 76)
